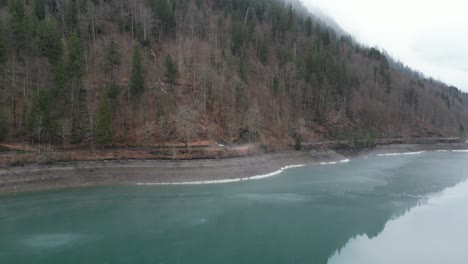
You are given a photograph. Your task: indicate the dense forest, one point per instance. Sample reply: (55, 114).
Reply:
(152, 72)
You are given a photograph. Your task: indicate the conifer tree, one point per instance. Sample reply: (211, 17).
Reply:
(137, 78)
(41, 126)
(104, 131)
(3, 51)
(50, 39)
(172, 72)
(16, 10)
(308, 26)
(75, 56)
(112, 59)
(74, 78)
(40, 9)
(275, 86)
(3, 122)
(243, 70)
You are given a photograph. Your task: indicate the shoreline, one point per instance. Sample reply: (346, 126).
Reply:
(256, 177)
(62, 175)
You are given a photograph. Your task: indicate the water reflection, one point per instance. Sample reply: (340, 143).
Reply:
(434, 232)
(303, 216)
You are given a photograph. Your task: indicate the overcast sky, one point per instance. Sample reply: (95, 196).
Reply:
(427, 35)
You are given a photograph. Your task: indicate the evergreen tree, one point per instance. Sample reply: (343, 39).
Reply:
(60, 78)
(290, 18)
(40, 9)
(137, 78)
(172, 73)
(3, 51)
(243, 70)
(50, 39)
(104, 131)
(16, 10)
(298, 144)
(75, 87)
(71, 17)
(275, 86)
(3, 122)
(164, 11)
(112, 92)
(263, 51)
(461, 130)
(41, 126)
(370, 140)
(308, 26)
(75, 57)
(113, 58)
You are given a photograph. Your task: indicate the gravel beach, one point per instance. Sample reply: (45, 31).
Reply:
(74, 174)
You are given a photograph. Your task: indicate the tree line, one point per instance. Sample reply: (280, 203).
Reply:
(149, 72)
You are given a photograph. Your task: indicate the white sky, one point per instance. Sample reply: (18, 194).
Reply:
(427, 35)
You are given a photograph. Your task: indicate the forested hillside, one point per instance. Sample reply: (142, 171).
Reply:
(149, 72)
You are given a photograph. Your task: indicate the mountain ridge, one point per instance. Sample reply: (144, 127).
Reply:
(150, 72)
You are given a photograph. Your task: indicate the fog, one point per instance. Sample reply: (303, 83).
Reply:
(428, 36)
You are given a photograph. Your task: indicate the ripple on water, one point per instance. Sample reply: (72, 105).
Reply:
(276, 197)
(48, 241)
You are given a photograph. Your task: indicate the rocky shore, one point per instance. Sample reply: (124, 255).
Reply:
(58, 175)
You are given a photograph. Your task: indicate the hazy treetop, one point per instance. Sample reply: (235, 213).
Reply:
(429, 36)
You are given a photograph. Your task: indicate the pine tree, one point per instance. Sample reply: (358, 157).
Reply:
(41, 126)
(137, 78)
(243, 70)
(60, 78)
(50, 39)
(263, 51)
(16, 10)
(75, 57)
(112, 92)
(165, 13)
(104, 131)
(76, 91)
(3, 122)
(172, 72)
(40, 9)
(71, 17)
(275, 86)
(3, 51)
(298, 144)
(308, 26)
(113, 58)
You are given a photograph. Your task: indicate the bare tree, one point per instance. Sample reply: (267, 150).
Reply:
(253, 121)
(186, 124)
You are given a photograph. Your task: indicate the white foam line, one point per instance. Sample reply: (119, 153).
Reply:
(460, 150)
(400, 154)
(335, 162)
(257, 177)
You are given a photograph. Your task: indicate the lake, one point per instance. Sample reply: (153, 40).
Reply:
(387, 209)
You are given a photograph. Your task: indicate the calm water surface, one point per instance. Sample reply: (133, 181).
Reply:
(396, 209)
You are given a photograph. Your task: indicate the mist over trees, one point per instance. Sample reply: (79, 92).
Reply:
(151, 72)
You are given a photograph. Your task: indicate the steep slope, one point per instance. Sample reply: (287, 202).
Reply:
(147, 72)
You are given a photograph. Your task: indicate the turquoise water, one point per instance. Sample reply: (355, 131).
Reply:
(395, 209)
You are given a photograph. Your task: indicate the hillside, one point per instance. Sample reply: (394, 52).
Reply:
(153, 72)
